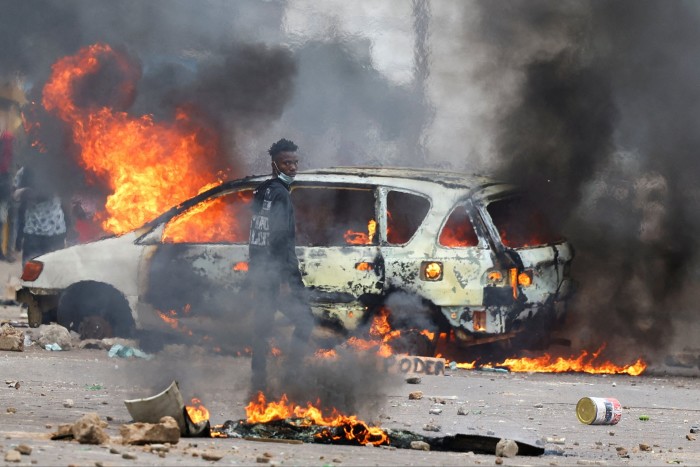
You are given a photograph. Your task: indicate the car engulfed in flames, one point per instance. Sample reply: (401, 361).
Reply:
(479, 261)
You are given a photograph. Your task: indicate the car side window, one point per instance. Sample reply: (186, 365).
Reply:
(458, 231)
(334, 216)
(521, 224)
(224, 219)
(405, 214)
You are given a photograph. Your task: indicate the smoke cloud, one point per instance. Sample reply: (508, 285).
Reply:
(601, 132)
(587, 105)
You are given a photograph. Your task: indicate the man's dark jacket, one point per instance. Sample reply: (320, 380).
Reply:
(272, 236)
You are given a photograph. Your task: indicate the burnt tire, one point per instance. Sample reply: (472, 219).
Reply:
(95, 310)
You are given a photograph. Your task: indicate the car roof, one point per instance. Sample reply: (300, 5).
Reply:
(442, 177)
(360, 174)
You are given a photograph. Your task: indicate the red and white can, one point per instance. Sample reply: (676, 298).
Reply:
(599, 411)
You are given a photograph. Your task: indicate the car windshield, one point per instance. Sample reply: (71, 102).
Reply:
(521, 224)
(222, 219)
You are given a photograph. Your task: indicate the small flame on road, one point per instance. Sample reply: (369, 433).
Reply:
(196, 411)
(261, 411)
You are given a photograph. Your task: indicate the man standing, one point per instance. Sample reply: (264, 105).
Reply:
(273, 264)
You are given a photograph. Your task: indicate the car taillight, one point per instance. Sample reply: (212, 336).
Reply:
(32, 270)
(431, 270)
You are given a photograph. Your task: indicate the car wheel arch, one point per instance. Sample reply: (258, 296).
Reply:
(99, 300)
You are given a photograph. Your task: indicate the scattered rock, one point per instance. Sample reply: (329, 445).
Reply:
(506, 448)
(644, 447)
(555, 440)
(336, 460)
(420, 446)
(462, 410)
(498, 460)
(432, 427)
(11, 410)
(65, 430)
(267, 454)
(159, 448)
(68, 403)
(13, 456)
(54, 334)
(114, 451)
(11, 339)
(690, 437)
(611, 433)
(89, 429)
(167, 431)
(539, 406)
(129, 456)
(413, 380)
(262, 460)
(415, 395)
(435, 411)
(212, 455)
(694, 429)
(622, 452)
(24, 449)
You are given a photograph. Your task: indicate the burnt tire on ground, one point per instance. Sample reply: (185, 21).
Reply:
(95, 310)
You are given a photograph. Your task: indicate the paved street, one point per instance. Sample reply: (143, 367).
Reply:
(510, 405)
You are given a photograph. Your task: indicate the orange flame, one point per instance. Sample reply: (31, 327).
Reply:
(149, 166)
(585, 362)
(261, 411)
(172, 319)
(241, 266)
(361, 238)
(197, 412)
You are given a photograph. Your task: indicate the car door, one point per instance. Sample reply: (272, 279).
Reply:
(337, 246)
(196, 261)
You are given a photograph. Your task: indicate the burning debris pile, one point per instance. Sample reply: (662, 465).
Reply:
(285, 420)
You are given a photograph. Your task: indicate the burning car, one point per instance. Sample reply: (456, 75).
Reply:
(479, 259)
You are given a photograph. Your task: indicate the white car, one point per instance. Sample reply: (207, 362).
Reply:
(470, 250)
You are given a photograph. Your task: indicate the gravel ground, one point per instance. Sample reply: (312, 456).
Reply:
(520, 406)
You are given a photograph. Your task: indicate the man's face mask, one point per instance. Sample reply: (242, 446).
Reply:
(287, 179)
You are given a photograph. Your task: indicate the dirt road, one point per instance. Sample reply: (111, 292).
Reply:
(510, 405)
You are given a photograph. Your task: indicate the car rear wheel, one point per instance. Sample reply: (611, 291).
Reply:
(95, 310)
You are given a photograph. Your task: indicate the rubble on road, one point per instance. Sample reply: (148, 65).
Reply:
(11, 339)
(88, 429)
(415, 395)
(54, 334)
(13, 456)
(140, 433)
(506, 448)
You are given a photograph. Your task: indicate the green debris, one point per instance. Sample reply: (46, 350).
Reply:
(644, 418)
(94, 387)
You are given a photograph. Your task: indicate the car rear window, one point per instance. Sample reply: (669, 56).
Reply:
(458, 231)
(225, 219)
(405, 213)
(334, 216)
(521, 224)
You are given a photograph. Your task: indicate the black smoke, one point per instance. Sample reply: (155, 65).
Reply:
(603, 132)
(231, 67)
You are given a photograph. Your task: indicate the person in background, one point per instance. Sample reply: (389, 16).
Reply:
(6, 159)
(274, 276)
(44, 224)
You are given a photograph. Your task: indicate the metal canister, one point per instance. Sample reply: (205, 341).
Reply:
(599, 411)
